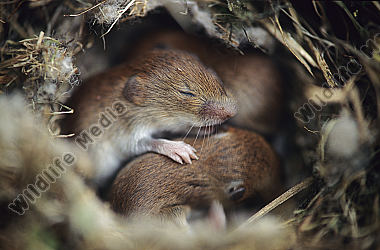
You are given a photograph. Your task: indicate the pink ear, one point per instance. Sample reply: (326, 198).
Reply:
(134, 90)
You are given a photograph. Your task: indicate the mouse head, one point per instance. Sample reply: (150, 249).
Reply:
(244, 161)
(177, 86)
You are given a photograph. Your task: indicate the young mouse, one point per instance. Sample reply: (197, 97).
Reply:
(163, 90)
(234, 166)
(253, 78)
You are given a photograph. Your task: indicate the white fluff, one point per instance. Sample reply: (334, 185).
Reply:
(343, 140)
(204, 18)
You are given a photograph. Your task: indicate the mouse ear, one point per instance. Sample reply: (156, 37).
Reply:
(235, 190)
(134, 90)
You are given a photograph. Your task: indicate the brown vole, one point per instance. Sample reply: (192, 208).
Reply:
(253, 78)
(235, 165)
(163, 90)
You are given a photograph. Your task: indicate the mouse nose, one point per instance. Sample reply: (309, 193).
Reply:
(219, 112)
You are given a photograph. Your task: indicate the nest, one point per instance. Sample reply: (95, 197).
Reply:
(332, 49)
(44, 67)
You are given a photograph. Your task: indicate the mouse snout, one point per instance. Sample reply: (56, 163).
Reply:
(219, 112)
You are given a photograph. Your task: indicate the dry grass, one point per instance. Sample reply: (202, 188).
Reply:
(342, 208)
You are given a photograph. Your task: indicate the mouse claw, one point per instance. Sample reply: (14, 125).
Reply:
(185, 157)
(178, 151)
(176, 158)
(193, 156)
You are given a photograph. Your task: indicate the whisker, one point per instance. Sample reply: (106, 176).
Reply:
(188, 132)
(211, 130)
(204, 136)
(196, 137)
(208, 136)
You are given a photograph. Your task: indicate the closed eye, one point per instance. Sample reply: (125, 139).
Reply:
(187, 93)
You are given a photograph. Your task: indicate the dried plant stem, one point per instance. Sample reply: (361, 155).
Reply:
(279, 200)
(87, 10)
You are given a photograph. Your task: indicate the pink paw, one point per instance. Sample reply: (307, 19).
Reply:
(216, 216)
(176, 150)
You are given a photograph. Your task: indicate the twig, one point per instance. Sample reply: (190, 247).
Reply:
(87, 10)
(39, 41)
(279, 200)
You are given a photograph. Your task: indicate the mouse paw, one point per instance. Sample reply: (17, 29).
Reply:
(178, 151)
(216, 216)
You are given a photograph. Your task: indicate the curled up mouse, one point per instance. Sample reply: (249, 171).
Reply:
(162, 90)
(234, 166)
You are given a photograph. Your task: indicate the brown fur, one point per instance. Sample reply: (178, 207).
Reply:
(162, 91)
(155, 185)
(253, 79)
(159, 76)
